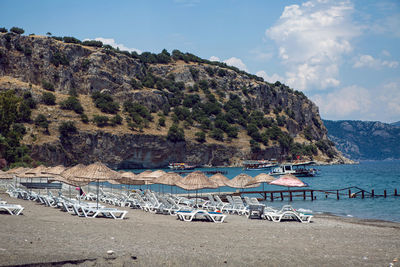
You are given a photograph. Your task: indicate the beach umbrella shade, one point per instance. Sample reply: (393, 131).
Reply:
(16, 172)
(241, 181)
(35, 173)
(4, 175)
(220, 180)
(261, 178)
(289, 180)
(145, 176)
(68, 176)
(169, 178)
(195, 181)
(97, 172)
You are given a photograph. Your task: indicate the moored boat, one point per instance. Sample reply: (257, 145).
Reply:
(181, 166)
(296, 169)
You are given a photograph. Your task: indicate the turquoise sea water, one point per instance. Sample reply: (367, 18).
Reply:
(377, 175)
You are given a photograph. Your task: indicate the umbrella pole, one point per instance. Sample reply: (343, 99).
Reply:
(97, 198)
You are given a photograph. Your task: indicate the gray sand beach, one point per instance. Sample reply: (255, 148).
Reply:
(45, 236)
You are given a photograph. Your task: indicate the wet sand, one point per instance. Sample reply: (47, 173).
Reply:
(45, 236)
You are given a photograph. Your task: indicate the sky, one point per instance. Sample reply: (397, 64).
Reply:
(344, 55)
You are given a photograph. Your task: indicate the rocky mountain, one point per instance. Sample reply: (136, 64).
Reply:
(147, 110)
(365, 140)
(397, 124)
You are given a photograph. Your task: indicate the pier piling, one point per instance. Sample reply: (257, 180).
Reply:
(395, 192)
(372, 193)
(384, 193)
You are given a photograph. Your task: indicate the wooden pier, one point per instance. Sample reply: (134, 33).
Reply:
(313, 194)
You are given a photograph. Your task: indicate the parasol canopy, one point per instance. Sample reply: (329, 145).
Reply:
(4, 175)
(35, 172)
(241, 181)
(97, 171)
(261, 178)
(219, 179)
(289, 180)
(196, 180)
(169, 178)
(57, 170)
(17, 170)
(129, 178)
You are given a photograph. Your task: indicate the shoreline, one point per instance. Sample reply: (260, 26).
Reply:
(44, 236)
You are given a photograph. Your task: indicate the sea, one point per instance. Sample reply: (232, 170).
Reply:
(367, 176)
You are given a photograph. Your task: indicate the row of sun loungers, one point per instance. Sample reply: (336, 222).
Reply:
(72, 206)
(212, 209)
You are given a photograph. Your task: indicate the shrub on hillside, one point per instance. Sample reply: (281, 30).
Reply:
(66, 128)
(100, 121)
(59, 58)
(200, 137)
(217, 134)
(47, 85)
(72, 103)
(72, 40)
(17, 30)
(93, 43)
(48, 99)
(84, 118)
(105, 102)
(42, 122)
(116, 120)
(176, 134)
(3, 30)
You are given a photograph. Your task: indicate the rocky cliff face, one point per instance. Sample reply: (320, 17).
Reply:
(365, 140)
(34, 60)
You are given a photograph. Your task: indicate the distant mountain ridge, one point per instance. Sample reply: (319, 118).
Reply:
(397, 124)
(365, 140)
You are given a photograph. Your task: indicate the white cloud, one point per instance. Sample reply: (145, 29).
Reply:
(390, 95)
(236, 62)
(371, 62)
(271, 79)
(386, 53)
(344, 103)
(214, 58)
(312, 39)
(111, 41)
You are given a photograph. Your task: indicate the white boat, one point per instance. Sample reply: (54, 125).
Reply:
(296, 169)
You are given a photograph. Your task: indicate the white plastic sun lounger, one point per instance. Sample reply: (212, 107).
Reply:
(13, 209)
(288, 213)
(211, 216)
(91, 212)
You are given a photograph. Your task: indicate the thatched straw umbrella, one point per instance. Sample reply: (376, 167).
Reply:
(145, 176)
(35, 173)
(4, 175)
(261, 178)
(96, 172)
(16, 172)
(71, 179)
(169, 178)
(195, 181)
(241, 181)
(219, 179)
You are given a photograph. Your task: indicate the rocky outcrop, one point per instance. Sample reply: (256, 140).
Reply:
(133, 151)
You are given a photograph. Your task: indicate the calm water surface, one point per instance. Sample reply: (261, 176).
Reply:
(377, 175)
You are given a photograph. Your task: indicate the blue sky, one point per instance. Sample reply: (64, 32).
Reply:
(344, 55)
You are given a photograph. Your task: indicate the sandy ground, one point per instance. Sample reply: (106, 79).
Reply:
(45, 236)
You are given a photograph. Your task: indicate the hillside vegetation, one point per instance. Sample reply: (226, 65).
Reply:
(72, 91)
